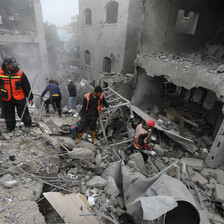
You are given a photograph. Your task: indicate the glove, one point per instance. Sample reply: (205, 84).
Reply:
(41, 99)
(132, 116)
(148, 147)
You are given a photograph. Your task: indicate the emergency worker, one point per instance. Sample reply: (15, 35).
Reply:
(90, 112)
(14, 89)
(141, 138)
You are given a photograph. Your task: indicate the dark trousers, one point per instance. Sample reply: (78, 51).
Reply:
(55, 101)
(9, 112)
(86, 123)
(131, 149)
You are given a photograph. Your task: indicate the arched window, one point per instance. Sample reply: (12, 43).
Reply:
(88, 17)
(87, 57)
(111, 12)
(107, 63)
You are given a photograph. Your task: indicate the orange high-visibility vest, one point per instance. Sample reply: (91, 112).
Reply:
(138, 132)
(11, 86)
(100, 103)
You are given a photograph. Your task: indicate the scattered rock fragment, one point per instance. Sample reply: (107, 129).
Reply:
(97, 181)
(111, 187)
(81, 154)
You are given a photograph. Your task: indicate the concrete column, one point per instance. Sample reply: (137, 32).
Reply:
(41, 37)
(216, 154)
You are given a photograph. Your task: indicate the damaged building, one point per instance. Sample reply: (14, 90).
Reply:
(180, 67)
(22, 36)
(108, 32)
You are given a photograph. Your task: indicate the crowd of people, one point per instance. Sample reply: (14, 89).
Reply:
(15, 92)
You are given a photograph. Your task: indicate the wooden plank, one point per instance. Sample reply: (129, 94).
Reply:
(45, 128)
(70, 207)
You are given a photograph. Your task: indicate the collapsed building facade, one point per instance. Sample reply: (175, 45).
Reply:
(22, 36)
(108, 34)
(178, 66)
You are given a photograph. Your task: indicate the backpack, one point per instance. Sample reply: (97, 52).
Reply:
(74, 130)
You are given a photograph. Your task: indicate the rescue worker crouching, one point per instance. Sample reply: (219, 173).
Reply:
(141, 138)
(90, 112)
(14, 89)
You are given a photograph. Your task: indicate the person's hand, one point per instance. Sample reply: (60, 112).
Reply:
(31, 102)
(132, 116)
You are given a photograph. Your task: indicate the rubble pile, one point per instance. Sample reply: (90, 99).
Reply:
(116, 186)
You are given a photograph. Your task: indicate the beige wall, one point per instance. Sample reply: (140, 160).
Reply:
(104, 40)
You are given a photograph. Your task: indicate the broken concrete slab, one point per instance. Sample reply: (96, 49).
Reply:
(81, 154)
(159, 164)
(138, 159)
(97, 181)
(219, 192)
(113, 170)
(51, 141)
(196, 164)
(87, 145)
(67, 142)
(111, 187)
(44, 128)
(199, 179)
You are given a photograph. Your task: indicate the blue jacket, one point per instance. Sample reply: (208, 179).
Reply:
(52, 88)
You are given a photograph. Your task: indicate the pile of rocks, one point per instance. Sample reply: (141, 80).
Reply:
(37, 159)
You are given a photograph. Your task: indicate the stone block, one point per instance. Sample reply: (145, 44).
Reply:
(97, 181)
(81, 154)
(196, 164)
(138, 159)
(199, 179)
(219, 192)
(111, 187)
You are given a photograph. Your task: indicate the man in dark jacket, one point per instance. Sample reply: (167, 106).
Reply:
(72, 95)
(91, 109)
(54, 97)
(14, 89)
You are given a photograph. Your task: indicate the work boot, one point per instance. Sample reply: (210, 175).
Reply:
(79, 139)
(93, 137)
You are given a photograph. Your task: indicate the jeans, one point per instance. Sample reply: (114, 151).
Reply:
(70, 100)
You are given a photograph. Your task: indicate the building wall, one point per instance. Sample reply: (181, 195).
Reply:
(148, 91)
(160, 20)
(105, 40)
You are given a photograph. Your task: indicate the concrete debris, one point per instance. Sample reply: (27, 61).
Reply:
(96, 181)
(196, 164)
(139, 162)
(81, 153)
(219, 195)
(111, 187)
(39, 162)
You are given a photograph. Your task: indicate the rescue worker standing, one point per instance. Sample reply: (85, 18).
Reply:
(54, 99)
(15, 88)
(141, 138)
(91, 109)
(72, 95)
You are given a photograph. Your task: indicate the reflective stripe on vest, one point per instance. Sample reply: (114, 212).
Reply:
(138, 132)
(11, 85)
(100, 104)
